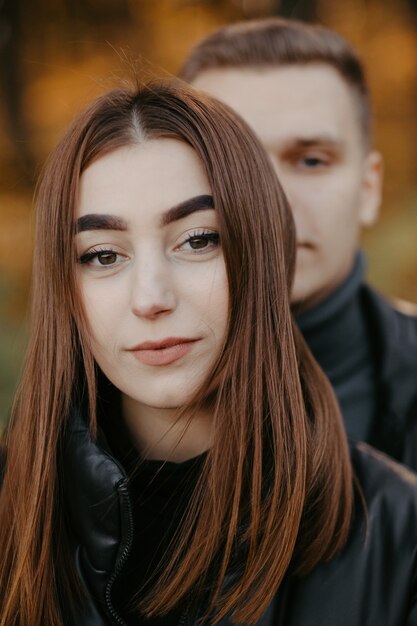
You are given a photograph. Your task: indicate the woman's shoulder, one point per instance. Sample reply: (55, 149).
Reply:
(373, 579)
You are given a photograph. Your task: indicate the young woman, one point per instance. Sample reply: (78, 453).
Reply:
(175, 455)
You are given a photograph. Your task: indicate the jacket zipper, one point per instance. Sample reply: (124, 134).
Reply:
(184, 616)
(123, 492)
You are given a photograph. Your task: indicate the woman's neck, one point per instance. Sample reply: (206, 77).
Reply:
(165, 434)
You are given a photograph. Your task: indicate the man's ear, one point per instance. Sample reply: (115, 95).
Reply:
(371, 188)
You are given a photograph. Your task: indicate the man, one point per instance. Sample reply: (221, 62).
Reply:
(302, 89)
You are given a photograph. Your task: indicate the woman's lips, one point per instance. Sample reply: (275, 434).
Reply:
(163, 352)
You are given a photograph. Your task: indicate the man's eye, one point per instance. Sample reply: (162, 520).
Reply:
(313, 162)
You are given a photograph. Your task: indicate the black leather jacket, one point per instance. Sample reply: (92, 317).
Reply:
(372, 583)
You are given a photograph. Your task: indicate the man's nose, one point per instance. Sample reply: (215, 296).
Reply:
(293, 195)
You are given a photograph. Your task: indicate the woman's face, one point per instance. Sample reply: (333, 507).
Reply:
(151, 271)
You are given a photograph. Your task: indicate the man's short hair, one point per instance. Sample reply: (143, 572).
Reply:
(280, 42)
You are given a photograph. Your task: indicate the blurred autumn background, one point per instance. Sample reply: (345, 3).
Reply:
(56, 55)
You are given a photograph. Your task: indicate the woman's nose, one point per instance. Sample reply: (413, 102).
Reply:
(152, 291)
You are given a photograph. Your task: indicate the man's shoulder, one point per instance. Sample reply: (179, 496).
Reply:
(384, 482)
(405, 308)
(393, 326)
(392, 314)
(405, 314)
(394, 329)
(375, 573)
(386, 509)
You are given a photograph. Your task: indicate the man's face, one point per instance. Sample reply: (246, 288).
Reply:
(308, 120)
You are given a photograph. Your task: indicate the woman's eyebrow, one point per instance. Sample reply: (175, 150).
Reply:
(99, 221)
(103, 221)
(181, 210)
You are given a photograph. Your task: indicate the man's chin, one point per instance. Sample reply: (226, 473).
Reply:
(304, 297)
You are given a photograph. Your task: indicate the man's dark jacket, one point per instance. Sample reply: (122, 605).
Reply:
(395, 335)
(373, 582)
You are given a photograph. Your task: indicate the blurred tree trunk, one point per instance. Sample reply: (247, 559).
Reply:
(304, 10)
(11, 82)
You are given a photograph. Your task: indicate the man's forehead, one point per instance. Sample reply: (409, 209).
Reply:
(286, 103)
(286, 141)
(272, 78)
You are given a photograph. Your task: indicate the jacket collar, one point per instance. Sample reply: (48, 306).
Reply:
(96, 497)
(92, 480)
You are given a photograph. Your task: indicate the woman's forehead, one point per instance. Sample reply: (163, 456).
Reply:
(155, 176)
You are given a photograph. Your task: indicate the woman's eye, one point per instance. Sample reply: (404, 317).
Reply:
(200, 242)
(100, 258)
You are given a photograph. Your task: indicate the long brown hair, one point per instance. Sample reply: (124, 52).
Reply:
(277, 481)
(275, 42)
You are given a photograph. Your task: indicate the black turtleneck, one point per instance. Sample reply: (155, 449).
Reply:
(337, 333)
(160, 492)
